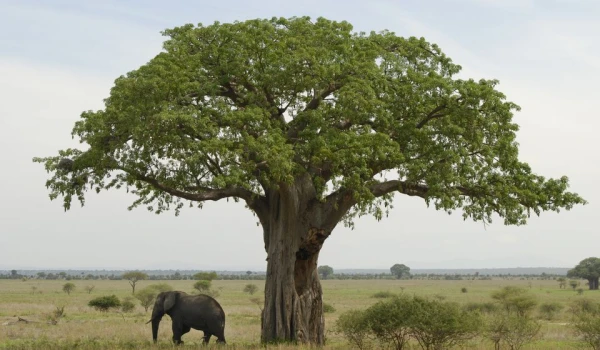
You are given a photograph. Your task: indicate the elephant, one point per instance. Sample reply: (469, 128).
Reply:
(200, 312)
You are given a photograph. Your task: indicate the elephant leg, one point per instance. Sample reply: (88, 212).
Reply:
(177, 333)
(206, 337)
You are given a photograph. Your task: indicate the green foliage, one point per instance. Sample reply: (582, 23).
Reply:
(89, 288)
(434, 324)
(588, 269)
(463, 290)
(205, 276)
(68, 287)
(483, 307)
(400, 271)
(133, 277)
(574, 284)
(250, 288)
(442, 325)
(354, 327)
(146, 297)
(202, 286)
(127, 304)
(325, 271)
(328, 308)
(105, 303)
(383, 295)
(550, 310)
(515, 300)
(227, 109)
(562, 282)
(512, 329)
(161, 287)
(586, 321)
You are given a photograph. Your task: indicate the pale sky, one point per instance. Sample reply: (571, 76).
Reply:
(59, 58)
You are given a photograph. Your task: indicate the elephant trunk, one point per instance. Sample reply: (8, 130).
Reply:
(155, 323)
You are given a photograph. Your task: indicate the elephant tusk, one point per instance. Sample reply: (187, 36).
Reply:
(149, 321)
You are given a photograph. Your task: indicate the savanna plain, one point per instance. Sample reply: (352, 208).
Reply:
(83, 327)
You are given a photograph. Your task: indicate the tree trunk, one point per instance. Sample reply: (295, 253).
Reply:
(593, 283)
(293, 235)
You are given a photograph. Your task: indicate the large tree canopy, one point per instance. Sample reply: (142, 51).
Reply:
(310, 124)
(588, 269)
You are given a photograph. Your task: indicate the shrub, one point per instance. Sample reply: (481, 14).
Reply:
(442, 325)
(89, 288)
(205, 276)
(68, 287)
(484, 308)
(549, 310)
(250, 289)
(146, 297)
(515, 300)
(391, 321)
(161, 287)
(584, 305)
(202, 286)
(463, 290)
(105, 303)
(580, 291)
(587, 326)
(383, 295)
(353, 326)
(328, 308)
(127, 305)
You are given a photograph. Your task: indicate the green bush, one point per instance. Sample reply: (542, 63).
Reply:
(68, 287)
(205, 276)
(484, 308)
(584, 305)
(391, 321)
(463, 290)
(383, 295)
(161, 287)
(515, 300)
(328, 308)
(202, 286)
(105, 303)
(587, 326)
(353, 326)
(146, 297)
(250, 288)
(442, 325)
(127, 305)
(549, 311)
(513, 329)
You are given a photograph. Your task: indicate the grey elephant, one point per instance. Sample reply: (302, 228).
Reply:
(200, 312)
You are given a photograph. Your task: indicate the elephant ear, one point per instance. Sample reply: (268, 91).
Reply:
(169, 302)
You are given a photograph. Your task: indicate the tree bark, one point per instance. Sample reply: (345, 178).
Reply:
(593, 283)
(294, 234)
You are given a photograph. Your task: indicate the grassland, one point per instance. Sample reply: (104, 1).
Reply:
(86, 328)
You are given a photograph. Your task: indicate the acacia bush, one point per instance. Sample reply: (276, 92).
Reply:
(105, 303)
(586, 321)
(127, 304)
(549, 311)
(483, 307)
(513, 330)
(202, 286)
(434, 324)
(327, 308)
(515, 300)
(250, 288)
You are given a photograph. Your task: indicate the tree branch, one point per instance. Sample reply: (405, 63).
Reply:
(432, 115)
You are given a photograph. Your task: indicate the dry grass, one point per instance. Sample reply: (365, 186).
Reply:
(85, 328)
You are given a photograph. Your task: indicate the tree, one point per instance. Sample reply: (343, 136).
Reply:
(206, 276)
(400, 270)
(146, 297)
(325, 271)
(133, 277)
(588, 269)
(89, 288)
(311, 125)
(68, 288)
(202, 286)
(250, 288)
(562, 282)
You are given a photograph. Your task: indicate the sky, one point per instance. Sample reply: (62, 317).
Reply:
(60, 58)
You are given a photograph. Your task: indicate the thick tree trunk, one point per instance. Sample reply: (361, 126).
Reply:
(593, 283)
(293, 310)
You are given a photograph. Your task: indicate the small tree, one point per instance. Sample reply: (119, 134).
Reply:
(515, 300)
(127, 305)
(400, 271)
(250, 289)
(89, 288)
(68, 287)
(588, 269)
(205, 276)
(325, 271)
(133, 277)
(550, 310)
(586, 321)
(202, 286)
(574, 284)
(353, 326)
(146, 297)
(105, 303)
(562, 282)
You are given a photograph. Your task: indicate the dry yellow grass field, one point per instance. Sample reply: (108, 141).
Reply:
(86, 328)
